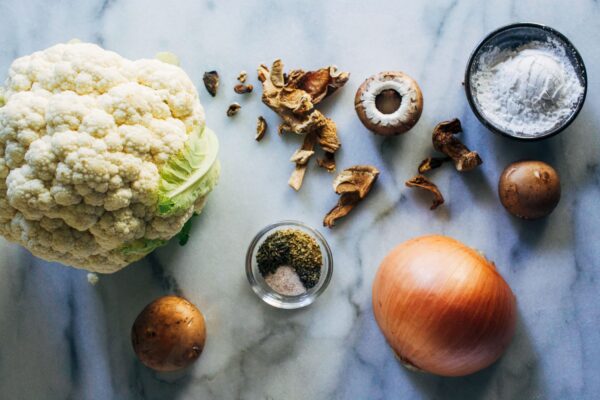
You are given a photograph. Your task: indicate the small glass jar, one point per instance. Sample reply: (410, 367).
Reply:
(264, 291)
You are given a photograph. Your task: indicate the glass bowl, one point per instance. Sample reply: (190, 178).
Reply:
(264, 291)
(511, 37)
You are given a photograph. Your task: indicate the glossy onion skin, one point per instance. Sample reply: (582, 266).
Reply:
(169, 334)
(443, 307)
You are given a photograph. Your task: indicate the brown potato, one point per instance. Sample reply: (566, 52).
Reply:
(168, 334)
(529, 189)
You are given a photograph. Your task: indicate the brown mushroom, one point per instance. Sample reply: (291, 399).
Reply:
(529, 189)
(168, 334)
(389, 103)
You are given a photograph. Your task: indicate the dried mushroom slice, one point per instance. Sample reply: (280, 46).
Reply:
(293, 97)
(261, 128)
(303, 155)
(422, 182)
(242, 76)
(352, 184)
(211, 82)
(319, 84)
(445, 141)
(432, 163)
(327, 136)
(327, 162)
(242, 88)
(233, 109)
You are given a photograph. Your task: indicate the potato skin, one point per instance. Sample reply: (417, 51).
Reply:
(169, 334)
(529, 189)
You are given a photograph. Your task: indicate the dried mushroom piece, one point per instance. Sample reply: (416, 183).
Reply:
(211, 82)
(422, 182)
(294, 96)
(445, 141)
(432, 163)
(233, 109)
(319, 84)
(261, 128)
(328, 138)
(306, 151)
(242, 76)
(300, 157)
(353, 184)
(327, 162)
(241, 88)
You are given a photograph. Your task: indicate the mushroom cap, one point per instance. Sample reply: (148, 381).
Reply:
(529, 189)
(401, 120)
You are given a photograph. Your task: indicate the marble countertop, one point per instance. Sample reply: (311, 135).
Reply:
(62, 338)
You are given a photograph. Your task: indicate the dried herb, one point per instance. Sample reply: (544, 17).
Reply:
(432, 163)
(422, 182)
(211, 82)
(353, 184)
(261, 128)
(233, 109)
(295, 248)
(241, 88)
(444, 140)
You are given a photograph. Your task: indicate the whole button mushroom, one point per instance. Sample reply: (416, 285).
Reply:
(389, 103)
(529, 189)
(168, 334)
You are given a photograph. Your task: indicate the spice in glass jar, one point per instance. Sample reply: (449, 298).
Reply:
(290, 260)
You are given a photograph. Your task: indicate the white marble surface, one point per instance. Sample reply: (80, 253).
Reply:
(61, 338)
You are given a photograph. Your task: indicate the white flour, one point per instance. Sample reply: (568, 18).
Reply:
(526, 91)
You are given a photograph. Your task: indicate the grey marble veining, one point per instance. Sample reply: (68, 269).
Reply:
(61, 338)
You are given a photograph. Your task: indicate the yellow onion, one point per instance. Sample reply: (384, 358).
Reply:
(443, 307)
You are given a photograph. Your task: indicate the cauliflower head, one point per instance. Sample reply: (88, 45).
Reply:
(102, 159)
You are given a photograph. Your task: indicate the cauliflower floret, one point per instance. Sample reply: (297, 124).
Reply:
(84, 133)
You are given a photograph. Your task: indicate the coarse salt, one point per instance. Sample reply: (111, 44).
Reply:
(285, 281)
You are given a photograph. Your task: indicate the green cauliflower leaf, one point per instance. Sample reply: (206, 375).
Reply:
(190, 174)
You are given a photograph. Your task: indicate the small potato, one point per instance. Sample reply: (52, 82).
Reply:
(168, 334)
(529, 189)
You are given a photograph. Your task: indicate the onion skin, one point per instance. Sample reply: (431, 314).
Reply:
(443, 307)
